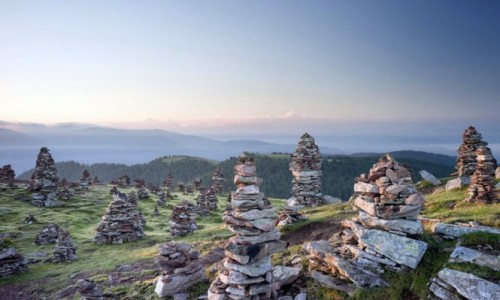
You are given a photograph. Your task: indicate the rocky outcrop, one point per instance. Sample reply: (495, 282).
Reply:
(11, 261)
(183, 219)
(48, 235)
(466, 159)
(89, 290)
(481, 188)
(306, 171)
(121, 222)
(180, 266)
(248, 271)
(44, 180)
(65, 250)
(381, 238)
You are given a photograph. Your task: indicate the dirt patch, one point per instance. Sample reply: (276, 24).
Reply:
(314, 231)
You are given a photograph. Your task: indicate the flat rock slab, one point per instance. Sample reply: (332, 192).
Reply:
(463, 254)
(407, 226)
(333, 283)
(470, 286)
(402, 250)
(458, 230)
(285, 275)
(429, 177)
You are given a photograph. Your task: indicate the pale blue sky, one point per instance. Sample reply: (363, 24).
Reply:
(193, 64)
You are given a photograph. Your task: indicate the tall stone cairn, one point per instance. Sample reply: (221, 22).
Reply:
(466, 159)
(481, 188)
(248, 270)
(217, 181)
(65, 250)
(121, 222)
(85, 180)
(7, 175)
(211, 198)
(11, 261)
(168, 182)
(201, 203)
(306, 172)
(180, 266)
(183, 219)
(44, 180)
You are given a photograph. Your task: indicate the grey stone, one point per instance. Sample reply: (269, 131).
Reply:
(456, 183)
(368, 207)
(264, 237)
(429, 177)
(415, 199)
(407, 226)
(285, 275)
(172, 284)
(398, 211)
(470, 286)
(255, 214)
(400, 249)
(363, 187)
(458, 230)
(441, 292)
(254, 269)
(331, 200)
(333, 283)
(301, 296)
(463, 254)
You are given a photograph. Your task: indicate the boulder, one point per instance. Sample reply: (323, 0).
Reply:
(470, 286)
(456, 183)
(429, 177)
(172, 284)
(283, 275)
(463, 254)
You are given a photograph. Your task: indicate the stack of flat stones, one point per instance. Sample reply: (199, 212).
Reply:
(85, 180)
(121, 222)
(48, 235)
(382, 237)
(143, 193)
(11, 261)
(65, 250)
(306, 171)
(201, 203)
(7, 175)
(290, 215)
(211, 198)
(181, 268)
(183, 219)
(168, 182)
(197, 183)
(44, 180)
(466, 160)
(162, 199)
(248, 270)
(217, 180)
(124, 181)
(189, 189)
(481, 188)
(89, 290)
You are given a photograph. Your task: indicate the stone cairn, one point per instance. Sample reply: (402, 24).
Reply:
(65, 251)
(162, 199)
(306, 172)
(11, 261)
(156, 212)
(180, 266)
(30, 219)
(201, 203)
(48, 235)
(63, 192)
(96, 180)
(89, 290)
(181, 187)
(197, 183)
(481, 188)
(7, 175)
(466, 160)
(248, 270)
(143, 193)
(44, 180)
(85, 180)
(381, 237)
(183, 219)
(123, 181)
(189, 189)
(121, 222)
(211, 198)
(217, 180)
(168, 182)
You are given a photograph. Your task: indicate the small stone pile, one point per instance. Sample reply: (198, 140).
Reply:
(211, 198)
(65, 251)
(217, 180)
(96, 180)
(168, 182)
(290, 215)
(381, 237)
(162, 199)
(197, 183)
(180, 266)
(183, 219)
(30, 219)
(189, 189)
(201, 203)
(248, 270)
(143, 193)
(306, 172)
(121, 222)
(44, 180)
(63, 192)
(466, 160)
(481, 188)
(156, 212)
(131, 197)
(181, 187)
(85, 180)
(11, 261)
(7, 175)
(123, 181)
(89, 290)
(48, 235)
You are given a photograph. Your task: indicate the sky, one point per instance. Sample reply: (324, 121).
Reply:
(254, 68)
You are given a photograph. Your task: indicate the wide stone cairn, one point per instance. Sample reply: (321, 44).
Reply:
(248, 270)
(65, 250)
(466, 160)
(44, 180)
(123, 181)
(183, 219)
(7, 175)
(121, 222)
(11, 261)
(48, 235)
(481, 188)
(85, 180)
(306, 172)
(180, 266)
(217, 180)
(382, 236)
(89, 290)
